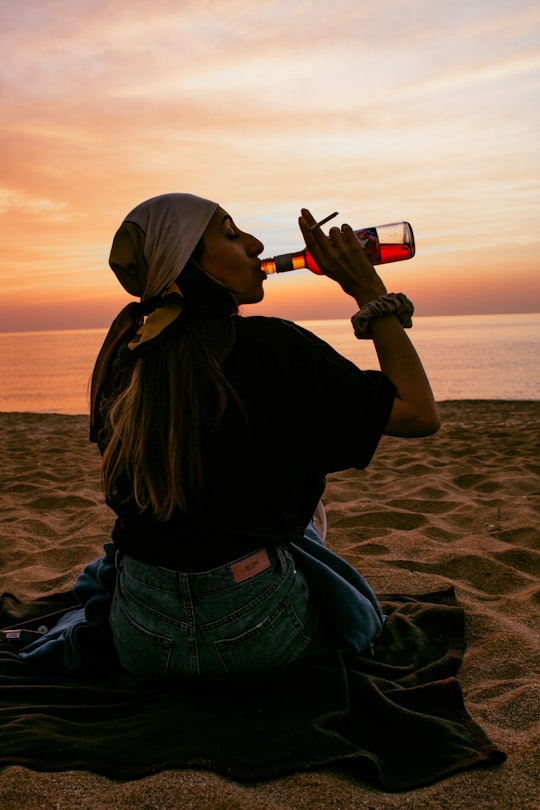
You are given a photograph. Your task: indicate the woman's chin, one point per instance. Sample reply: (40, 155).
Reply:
(243, 300)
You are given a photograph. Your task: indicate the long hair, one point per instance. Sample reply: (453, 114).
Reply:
(157, 426)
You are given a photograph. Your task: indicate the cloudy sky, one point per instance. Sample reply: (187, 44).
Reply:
(384, 111)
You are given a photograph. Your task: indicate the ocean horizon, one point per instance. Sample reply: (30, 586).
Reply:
(466, 357)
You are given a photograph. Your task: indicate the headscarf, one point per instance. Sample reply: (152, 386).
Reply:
(155, 241)
(149, 252)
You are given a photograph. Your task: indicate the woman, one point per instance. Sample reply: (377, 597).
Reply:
(217, 432)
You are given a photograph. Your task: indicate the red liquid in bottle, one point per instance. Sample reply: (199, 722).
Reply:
(395, 253)
(379, 254)
(310, 263)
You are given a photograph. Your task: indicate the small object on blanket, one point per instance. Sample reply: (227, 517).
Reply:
(22, 636)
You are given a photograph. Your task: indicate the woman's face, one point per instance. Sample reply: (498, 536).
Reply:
(231, 257)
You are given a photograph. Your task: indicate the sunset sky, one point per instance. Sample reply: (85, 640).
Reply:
(416, 110)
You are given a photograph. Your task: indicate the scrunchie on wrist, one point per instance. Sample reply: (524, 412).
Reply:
(390, 304)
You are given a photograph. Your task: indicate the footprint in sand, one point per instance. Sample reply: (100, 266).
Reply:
(523, 536)
(389, 519)
(521, 559)
(469, 480)
(419, 505)
(60, 502)
(476, 571)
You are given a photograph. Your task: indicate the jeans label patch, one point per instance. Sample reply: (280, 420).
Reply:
(254, 564)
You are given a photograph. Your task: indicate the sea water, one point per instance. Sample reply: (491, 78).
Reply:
(465, 356)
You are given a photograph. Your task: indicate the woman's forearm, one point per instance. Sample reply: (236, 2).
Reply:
(414, 412)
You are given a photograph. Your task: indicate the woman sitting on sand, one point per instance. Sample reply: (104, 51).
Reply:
(217, 432)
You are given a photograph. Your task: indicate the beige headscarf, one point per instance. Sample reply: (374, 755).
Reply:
(149, 251)
(155, 241)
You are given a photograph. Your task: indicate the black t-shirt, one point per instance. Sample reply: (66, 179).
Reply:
(307, 411)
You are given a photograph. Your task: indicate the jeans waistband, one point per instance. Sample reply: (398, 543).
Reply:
(225, 576)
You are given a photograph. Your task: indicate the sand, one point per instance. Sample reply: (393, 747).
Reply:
(460, 508)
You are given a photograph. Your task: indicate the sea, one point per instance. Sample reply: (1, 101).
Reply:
(465, 356)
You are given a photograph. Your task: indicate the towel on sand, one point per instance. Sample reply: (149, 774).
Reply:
(397, 718)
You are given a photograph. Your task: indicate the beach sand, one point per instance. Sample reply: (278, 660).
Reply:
(460, 508)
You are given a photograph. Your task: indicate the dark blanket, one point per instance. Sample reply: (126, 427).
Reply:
(398, 717)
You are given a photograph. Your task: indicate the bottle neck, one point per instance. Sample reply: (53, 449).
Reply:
(285, 262)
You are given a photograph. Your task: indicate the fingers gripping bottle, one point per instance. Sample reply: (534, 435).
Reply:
(393, 242)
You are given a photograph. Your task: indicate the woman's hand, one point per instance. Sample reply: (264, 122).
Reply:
(340, 257)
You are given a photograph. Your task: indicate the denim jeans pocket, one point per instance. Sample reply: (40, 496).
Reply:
(273, 643)
(140, 650)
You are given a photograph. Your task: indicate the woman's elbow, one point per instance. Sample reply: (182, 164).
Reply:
(413, 423)
(427, 425)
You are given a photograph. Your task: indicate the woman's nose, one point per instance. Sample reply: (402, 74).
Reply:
(255, 246)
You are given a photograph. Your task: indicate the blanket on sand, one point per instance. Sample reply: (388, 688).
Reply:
(397, 718)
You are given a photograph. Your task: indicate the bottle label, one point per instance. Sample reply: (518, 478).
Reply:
(369, 242)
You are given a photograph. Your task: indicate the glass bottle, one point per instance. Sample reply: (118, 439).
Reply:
(393, 242)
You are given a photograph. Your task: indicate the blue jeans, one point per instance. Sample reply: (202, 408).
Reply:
(253, 614)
